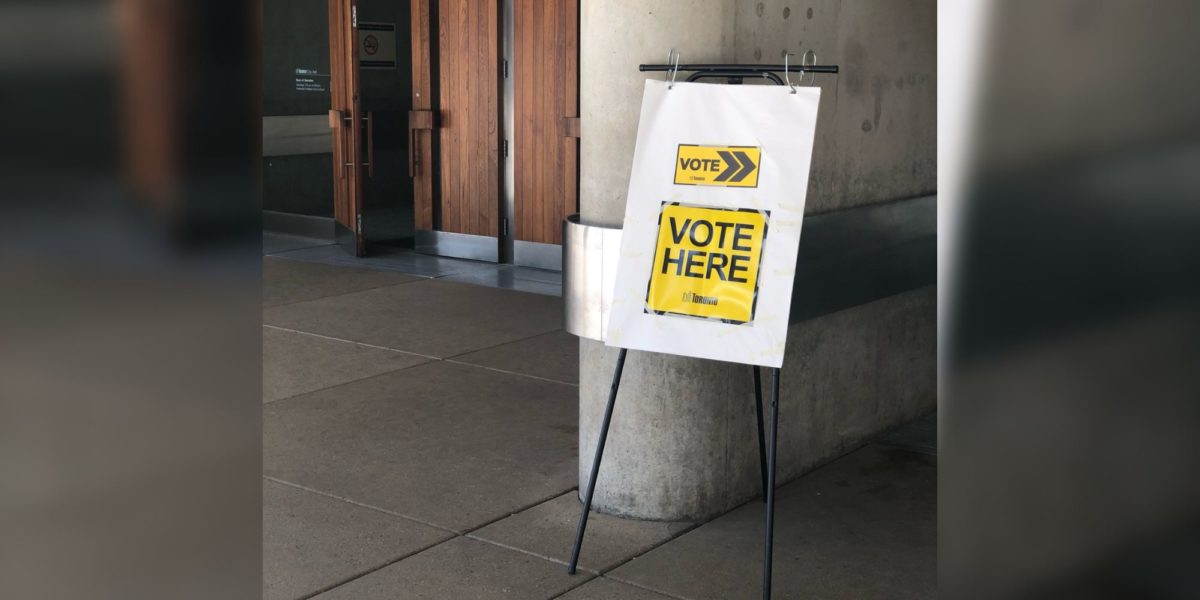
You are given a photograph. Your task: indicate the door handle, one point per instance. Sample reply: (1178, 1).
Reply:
(370, 164)
(347, 144)
(412, 147)
(370, 119)
(417, 119)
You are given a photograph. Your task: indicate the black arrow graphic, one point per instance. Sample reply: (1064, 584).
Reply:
(731, 165)
(748, 167)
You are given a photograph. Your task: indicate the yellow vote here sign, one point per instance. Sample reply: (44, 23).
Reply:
(706, 262)
(729, 166)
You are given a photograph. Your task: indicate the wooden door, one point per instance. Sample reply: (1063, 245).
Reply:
(457, 75)
(348, 125)
(546, 103)
(422, 119)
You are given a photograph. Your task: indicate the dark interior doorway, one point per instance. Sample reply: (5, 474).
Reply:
(455, 125)
(370, 91)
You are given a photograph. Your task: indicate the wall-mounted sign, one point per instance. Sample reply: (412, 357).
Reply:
(712, 221)
(377, 45)
(309, 80)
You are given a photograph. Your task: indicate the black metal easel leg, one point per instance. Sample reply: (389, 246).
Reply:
(762, 439)
(591, 489)
(770, 537)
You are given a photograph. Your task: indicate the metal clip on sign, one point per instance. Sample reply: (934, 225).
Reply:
(734, 74)
(674, 55)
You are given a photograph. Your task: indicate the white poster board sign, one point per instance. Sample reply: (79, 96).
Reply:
(712, 221)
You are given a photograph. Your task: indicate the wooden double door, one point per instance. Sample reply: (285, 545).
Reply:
(492, 131)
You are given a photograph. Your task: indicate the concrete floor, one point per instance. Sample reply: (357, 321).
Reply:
(385, 258)
(420, 438)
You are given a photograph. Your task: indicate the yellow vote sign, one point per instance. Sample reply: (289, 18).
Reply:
(729, 166)
(706, 262)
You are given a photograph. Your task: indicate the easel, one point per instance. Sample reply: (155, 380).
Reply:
(734, 74)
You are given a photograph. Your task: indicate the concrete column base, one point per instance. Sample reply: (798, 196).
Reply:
(683, 442)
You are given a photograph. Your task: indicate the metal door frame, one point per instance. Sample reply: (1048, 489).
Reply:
(508, 125)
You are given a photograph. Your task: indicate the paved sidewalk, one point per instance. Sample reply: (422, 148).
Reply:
(420, 439)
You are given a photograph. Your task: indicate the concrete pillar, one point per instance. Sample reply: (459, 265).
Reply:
(682, 443)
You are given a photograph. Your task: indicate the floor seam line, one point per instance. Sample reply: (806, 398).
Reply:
(471, 536)
(450, 359)
(338, 385)
(694, 526)
(375, 569)
(280, 252)
(537, 377)
(466, 534)
(573, 588)
(907, 448)
(494, 346)
(463, 273)
(522, 509)
(339, 294)
(430, 358)
(361, 504)
(363, 344)
(357, 266)
(644, 587)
